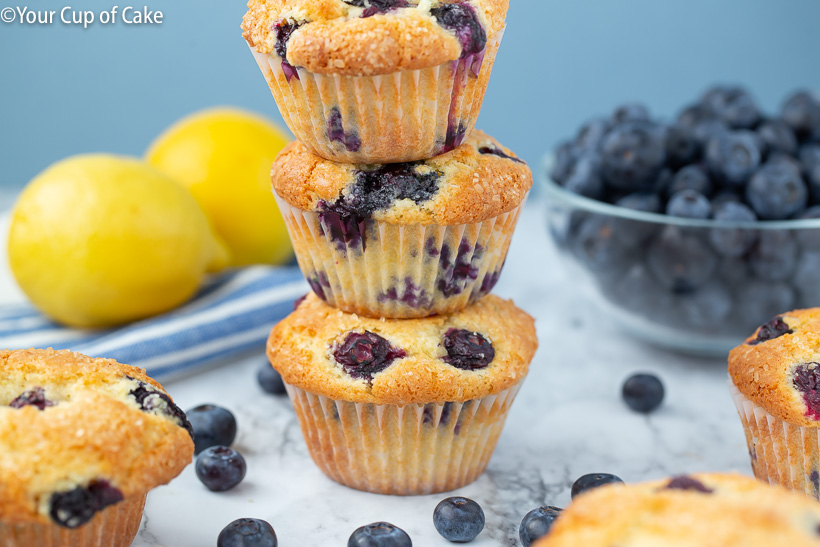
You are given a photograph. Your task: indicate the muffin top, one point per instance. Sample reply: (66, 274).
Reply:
(778, 367)
(370, 37)
(479, 351)
(78, 434)
(704, 510)
(478, 180)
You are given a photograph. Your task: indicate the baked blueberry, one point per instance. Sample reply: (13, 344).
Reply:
(643, 392)
(364, 354)
(771, 330)
(220, 468)
(462, 19)
(806, 379)
(593, 480)
(75, 507)
(213, 426)
(150, 399)
(284, 29)
(372, 7)
(774, 257)
(733, 157)
(537, 523)
(458, 519)
(732, 242)
(685, 482)
(247, 532)
(495, 151)
(454, 275)
(269, 380)
(35, 397)
(632, 156)
(691, 177)
(381, 187)
(757, 301)
(467, 350)
(336, 132)
(776, 192)
(688, 204)
(680, 261)
(379, 534)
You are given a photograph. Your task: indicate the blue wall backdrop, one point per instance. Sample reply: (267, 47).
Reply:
(66, 90)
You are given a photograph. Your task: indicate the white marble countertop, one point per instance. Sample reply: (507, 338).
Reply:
(568, 420)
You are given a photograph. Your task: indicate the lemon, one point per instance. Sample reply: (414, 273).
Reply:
(100, 240)
(224, 157)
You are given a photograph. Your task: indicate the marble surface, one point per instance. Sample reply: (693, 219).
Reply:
(568, 420)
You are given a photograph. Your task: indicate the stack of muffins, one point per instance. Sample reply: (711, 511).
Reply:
(400, 365)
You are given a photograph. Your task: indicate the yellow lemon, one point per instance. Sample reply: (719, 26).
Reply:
(100, 240)
(224, 157)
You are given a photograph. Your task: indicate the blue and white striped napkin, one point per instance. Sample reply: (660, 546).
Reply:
(231, 315)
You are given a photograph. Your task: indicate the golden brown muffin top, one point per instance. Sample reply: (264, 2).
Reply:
(369, 37)
(479, 351)
(76, 428)
(703, 510)
(478, 180)
(778, 367)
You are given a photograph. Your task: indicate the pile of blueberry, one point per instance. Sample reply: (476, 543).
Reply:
(723, 160)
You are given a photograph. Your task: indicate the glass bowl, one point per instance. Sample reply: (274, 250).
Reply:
(696, 286)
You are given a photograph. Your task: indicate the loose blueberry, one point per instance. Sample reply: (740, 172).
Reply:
(707, 307)
(247, 532)
(711, 128)
(739, 109)
(593, 480)
(379, 534)
(774, 258)
(633, 154)
(74, 508)
(685, 482)
(776, 192)
(682, 148)
(584, 178)
(467, 350)
(688, 204)
(462, 19)
(458, 519)
(213, 426)
(643, 392)
(35, 397)
(802, 113)
(565, 156)
(806, 279)
(806, 379)
(151, 400)
(680, 261)
(591, 134)
(537, 524)
(269, 380)
(732, 242)
(630, 112)
(733, 157)
(691, 177)
(689, 117)
(220, 468)
(364, 354)
(636, 232)
(598, 246)
(771, 330)
(778, 137)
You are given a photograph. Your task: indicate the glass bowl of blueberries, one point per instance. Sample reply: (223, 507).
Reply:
(693, 233)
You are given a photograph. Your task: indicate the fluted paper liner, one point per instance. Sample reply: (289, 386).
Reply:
(401, 450)
(781, 453)
(397, 271)
(399, 117)
(114, 526)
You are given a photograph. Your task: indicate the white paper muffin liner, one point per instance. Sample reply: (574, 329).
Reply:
(397, 271)
(114, 526)
(399, 117)
(781, 453)
(401, 450)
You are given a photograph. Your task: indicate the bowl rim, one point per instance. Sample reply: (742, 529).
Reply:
(559, 194)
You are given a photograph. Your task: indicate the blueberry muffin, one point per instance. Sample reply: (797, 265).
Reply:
(402, 240)
(403, 406)
(82, 441)
(775, 382)
(703, 510)
(377, 81)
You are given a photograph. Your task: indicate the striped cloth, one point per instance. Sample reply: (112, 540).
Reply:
(232, 314)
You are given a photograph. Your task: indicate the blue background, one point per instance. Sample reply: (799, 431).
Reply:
(67, 90)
